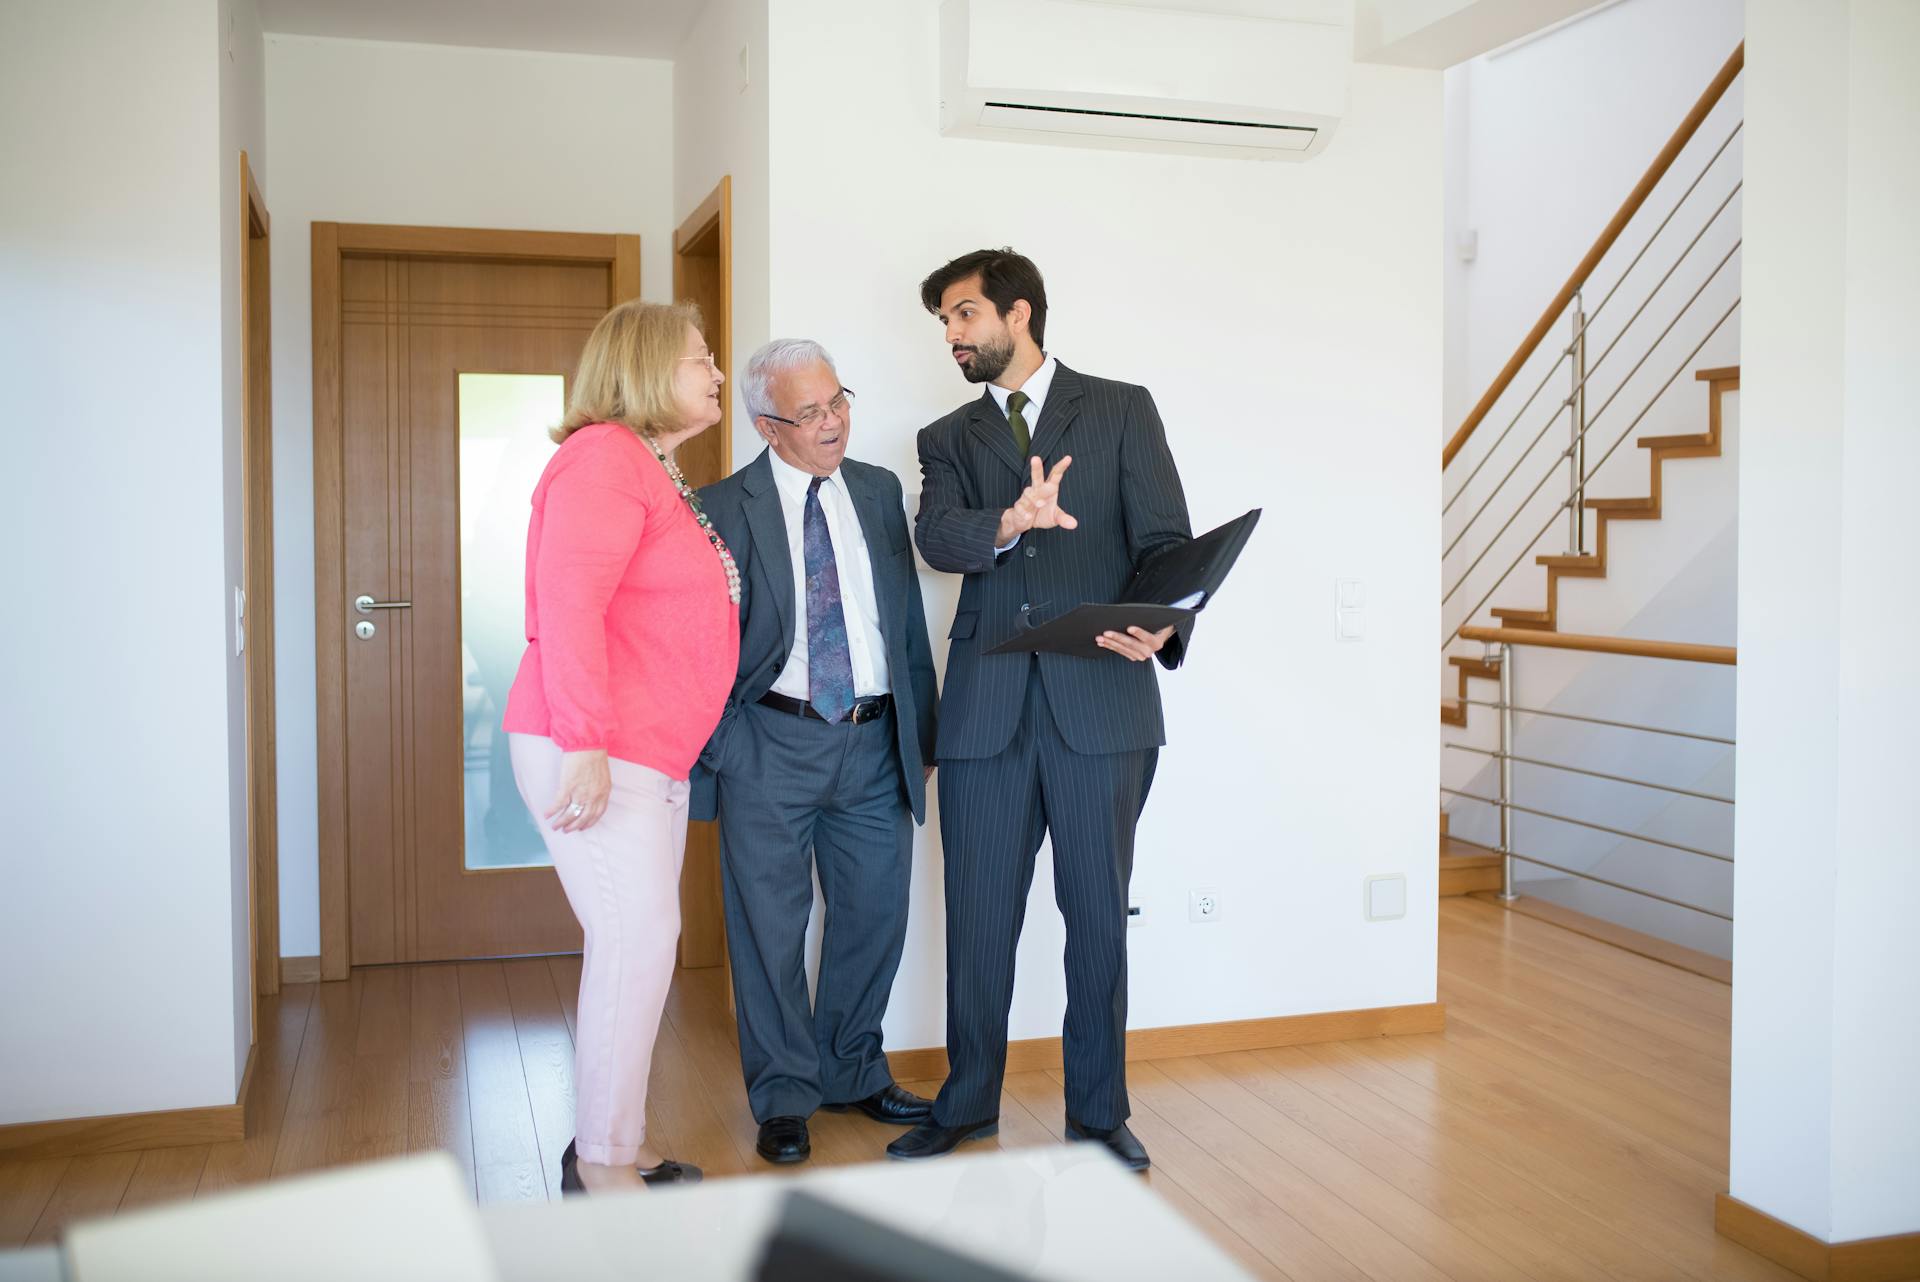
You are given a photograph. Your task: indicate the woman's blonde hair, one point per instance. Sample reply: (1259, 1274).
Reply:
(627, 370)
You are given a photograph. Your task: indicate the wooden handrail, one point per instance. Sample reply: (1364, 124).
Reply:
(1611, 233)
(1684, 650)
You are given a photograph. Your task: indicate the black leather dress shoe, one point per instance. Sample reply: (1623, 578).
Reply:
(930, 1139)
(1119, 1141)
(570, 1185)
(671, 1173)
(889, 1104)
(784, 1139)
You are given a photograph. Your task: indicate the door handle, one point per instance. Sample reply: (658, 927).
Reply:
(367, 605)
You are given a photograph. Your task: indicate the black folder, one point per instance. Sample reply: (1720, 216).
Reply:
(1200, 565)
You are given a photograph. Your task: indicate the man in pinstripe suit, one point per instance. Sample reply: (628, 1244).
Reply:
(1051, 490)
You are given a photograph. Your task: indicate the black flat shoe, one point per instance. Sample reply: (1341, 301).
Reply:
(570, 1185)
(930, 1139)
(1119, 1141)
(671, 1173)
(783, 1140)
(889, 1104)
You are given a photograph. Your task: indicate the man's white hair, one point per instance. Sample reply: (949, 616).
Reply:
(777, 357)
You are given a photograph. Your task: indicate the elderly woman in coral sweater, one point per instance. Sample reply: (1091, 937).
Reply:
(632, 639)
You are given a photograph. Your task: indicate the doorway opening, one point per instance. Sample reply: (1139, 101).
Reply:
(703, 275)
(255, 607)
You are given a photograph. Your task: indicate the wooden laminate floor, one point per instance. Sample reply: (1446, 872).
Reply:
(1571, 1123)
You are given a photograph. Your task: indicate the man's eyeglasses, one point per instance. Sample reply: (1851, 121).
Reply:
(814, 415)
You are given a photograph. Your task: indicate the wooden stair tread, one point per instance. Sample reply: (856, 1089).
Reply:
(1722, 374)
(1488, 668)
(1685, 440)
(1568, 563)
(1455, 853)
(1645, 503)
(1467, 869)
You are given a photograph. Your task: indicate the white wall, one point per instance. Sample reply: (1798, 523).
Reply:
(1825, 1121)
(117, 930)
(720, 78)
(436, 136)
(1304, 382)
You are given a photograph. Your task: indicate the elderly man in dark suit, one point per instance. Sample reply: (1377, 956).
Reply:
(821, 757)
(1051, 490)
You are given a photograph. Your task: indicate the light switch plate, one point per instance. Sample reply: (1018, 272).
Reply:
(1386, 897)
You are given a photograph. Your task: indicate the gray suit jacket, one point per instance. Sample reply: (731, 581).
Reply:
(745, 509)
(1125, 492)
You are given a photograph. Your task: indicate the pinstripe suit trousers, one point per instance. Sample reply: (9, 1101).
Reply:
(994, 812)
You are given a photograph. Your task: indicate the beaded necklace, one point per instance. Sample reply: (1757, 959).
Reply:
(692, 501)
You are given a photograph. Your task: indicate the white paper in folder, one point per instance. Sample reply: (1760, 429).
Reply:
(413, 1217)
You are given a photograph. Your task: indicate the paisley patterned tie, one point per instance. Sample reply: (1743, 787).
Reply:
(829, 666)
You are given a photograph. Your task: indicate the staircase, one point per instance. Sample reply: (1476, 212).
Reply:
(1466, 867)
(1646, 508)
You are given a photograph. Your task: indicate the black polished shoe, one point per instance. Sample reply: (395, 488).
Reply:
(570, 1185)
(784, 1139)
(930, 1139)
(1119, 1141)
(671, 1173)
(889, 1104)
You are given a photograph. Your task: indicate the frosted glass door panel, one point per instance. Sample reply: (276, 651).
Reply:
(503, 449)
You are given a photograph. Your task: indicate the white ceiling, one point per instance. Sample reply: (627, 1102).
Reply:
(621, 28)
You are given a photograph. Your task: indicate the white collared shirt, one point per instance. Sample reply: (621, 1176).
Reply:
(1036, 387)
(858, 602)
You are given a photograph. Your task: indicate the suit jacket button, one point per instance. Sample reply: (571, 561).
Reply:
(1030, 551)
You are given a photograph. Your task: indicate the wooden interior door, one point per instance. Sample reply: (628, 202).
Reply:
(451, 372)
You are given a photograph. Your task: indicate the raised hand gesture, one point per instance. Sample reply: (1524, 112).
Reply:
(1038, 507)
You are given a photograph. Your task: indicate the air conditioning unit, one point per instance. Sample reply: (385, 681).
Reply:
(1116, 75)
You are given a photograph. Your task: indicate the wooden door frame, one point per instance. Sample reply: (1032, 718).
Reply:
(713, 216)
(708, 233)
(333, 242)
(256, 543)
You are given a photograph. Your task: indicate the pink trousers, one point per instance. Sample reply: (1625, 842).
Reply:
(622, 878)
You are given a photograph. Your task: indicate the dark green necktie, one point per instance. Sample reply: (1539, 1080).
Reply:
(1018, 421)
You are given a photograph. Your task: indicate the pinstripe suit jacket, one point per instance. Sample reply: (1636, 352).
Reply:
(1125, 492)
(745, 509)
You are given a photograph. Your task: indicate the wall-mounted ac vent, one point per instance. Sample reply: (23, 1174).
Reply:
(1079, 73)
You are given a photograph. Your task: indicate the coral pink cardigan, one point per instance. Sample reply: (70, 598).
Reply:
(631, 640)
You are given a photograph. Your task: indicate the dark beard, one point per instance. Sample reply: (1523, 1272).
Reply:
(990, 361)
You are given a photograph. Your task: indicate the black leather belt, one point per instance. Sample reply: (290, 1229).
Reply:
(864, 710)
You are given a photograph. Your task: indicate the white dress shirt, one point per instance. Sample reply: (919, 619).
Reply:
(1036, 388)
(858, 602)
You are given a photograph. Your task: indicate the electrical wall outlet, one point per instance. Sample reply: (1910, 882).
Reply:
(1203, 905)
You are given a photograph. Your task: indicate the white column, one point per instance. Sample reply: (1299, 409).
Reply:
(1826, 997)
